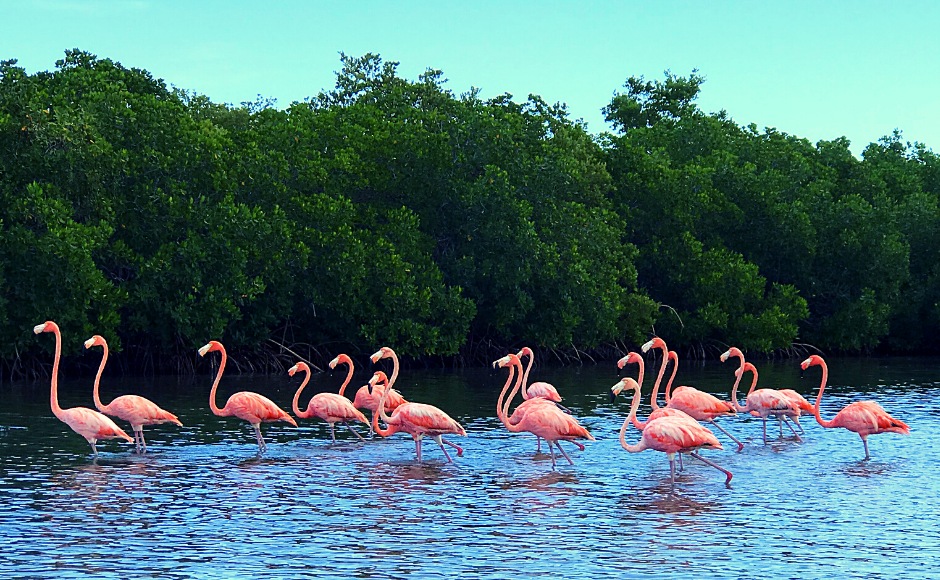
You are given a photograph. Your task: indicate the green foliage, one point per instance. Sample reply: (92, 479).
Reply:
(390, 211)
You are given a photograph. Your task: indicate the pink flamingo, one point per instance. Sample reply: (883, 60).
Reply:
(245, 405)
(367, 397)
(670, 435)
(697, 404)
(539, 389)
(804, 406)
(136, 410)
(537, 416)
(531, 403)
(90, 424)
(862, 417)
(416, 419)
(762, 403)
(633, 357)
(330, 407)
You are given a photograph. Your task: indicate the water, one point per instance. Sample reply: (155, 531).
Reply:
(202, 503)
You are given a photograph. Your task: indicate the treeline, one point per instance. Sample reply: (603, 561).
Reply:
(391, 211)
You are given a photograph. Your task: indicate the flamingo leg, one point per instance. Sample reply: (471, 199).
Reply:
(800, 427)
(562, 451)
(553, 454)
(681, 468)
(94, 450)
(672, 469)
(865, 443)
(261, 444)
(732, 437)
(143, 442)
(575, 443)
(455, 446)
(371, 430)
(715, 465)
(787, 421)
(418, 447)
(764, 419)
(440, 443)
(538, 448)
(353, 431)
(332, 433)
(780, 421)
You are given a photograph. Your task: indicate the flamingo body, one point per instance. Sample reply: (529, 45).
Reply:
(538, 416)
(416, 419)
(245, 405)
(136, 410)
(330, 407)
(669, 435)
(699, 405)
(254, 409)
(88, 423)
(862, 417)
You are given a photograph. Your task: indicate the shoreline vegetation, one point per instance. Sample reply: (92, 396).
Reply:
(452, 227)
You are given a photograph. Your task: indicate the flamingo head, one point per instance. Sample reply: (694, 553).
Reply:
(341, 359)
(733, 351)
(301, 366)
(384, 352)
(655, 343)
(47, 326)
(747, 368)
(96, 340)
(509, 359)
(212, 345)
(632, 357)
(377, 377)
(624, 383)
(811, 361)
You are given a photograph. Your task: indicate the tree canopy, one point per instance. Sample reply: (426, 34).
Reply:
(389, 210)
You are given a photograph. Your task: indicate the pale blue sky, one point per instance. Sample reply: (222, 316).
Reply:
(814, 69)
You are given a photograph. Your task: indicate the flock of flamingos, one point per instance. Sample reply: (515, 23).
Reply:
(674, 429)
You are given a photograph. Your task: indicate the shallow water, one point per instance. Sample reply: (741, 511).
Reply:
(202, 503)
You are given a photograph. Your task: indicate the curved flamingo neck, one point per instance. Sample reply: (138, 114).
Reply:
(525, 377)
(737, 381)
(517, 368)
(500, 410)
(215, 385)
(659, 379)
(512, 394)
(380, 412)
(822, 387)
(54, 394)
(675, 367)
(630, 418)
(294, 405)
(104, 360)
(349, 375)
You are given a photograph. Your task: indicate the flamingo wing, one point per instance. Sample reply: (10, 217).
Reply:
(138, 410)
(804, 405)
(699, 405)
(92, 425)
(547, 421)
(333, 407)
(544, 390)
(675, 434)
(419, 418)
(868, 417)
(256, 408)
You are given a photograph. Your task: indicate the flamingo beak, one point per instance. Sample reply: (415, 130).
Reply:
(613, 397)
(292, 370)
(90, 343)
(725, 355)
(39, 328)
(204, 349)
(375, 357)
(646, 346)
